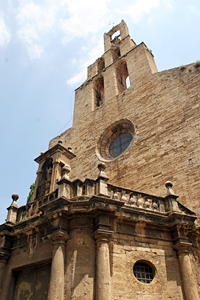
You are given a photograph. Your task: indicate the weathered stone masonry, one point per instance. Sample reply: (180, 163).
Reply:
(99, 224)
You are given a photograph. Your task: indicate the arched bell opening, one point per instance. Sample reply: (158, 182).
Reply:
(122, 76)
(45, 178)
(99, 92)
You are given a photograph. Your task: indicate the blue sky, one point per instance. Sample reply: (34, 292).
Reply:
(46, 46)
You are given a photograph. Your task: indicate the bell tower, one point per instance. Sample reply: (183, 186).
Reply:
(123, 63)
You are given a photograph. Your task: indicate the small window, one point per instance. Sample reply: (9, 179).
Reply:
(128, 82)
(120, 144)
(122, 75)
(143, 272)
(99, 92)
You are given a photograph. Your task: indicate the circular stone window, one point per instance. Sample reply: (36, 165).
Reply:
(115, 139)
(144, 271)
(120, 144)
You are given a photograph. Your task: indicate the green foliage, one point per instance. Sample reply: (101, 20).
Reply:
(86, 82)
(196, 227)
(150, 50)
(25, 218)
(67, 188)
(32, 188)
(197, 64)
(183, 67)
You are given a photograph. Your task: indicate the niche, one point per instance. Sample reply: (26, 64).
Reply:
(99, 92)
(101, 64)
(122, 76)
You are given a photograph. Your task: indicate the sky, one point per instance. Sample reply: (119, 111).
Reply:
(45, 48)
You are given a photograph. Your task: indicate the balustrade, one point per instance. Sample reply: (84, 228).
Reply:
(136, 199)
(78, 190)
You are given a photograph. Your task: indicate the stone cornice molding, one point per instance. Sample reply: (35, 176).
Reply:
(53, 150)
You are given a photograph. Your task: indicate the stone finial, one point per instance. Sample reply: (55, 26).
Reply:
(102, 167)
(65, 172)
(70, 148)
(15, 197)
(12, 210)
(169, 186)
(59, 142)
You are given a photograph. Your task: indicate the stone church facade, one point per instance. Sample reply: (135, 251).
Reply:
(104, 221)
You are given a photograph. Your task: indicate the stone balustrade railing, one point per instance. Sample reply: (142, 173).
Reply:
(136, 199)
(78, 190)
(48, 198)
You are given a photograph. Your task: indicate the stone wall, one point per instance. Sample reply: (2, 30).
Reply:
(167, 281)
(164, 109)
(24, 257)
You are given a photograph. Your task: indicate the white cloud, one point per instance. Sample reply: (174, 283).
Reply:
(35, 51)
(85, 17)
(194, 10)
(168, 3)
(93, 54)
(38, 19)
(4, 32)
(138, 9)
(80, 77)
(35, 21)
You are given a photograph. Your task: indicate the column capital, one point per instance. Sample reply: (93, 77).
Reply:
(102, 235)
(59, 237)
(4, 257)
(182, 247)
(56, 161)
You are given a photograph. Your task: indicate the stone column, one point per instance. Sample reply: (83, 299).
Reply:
(188, 280)
(103, 287)
(56, 174)
(3, 263)
(56, 289)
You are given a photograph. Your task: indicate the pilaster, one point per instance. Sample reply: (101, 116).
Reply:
(3, 263)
